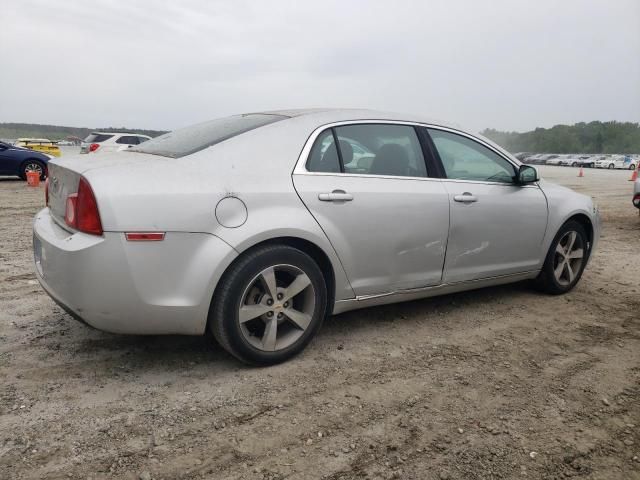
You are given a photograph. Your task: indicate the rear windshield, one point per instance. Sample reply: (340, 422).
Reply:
(186, 141)
(97, 138)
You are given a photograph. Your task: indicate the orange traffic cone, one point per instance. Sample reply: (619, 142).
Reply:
(634, 175)
(581, 172)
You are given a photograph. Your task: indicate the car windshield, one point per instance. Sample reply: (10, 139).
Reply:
(186, 141)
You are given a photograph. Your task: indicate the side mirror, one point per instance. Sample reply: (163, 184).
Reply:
(527, 174)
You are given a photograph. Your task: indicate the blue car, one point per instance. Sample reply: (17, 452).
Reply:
(17, 161)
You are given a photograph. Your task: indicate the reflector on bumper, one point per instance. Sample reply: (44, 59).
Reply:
(144, 236)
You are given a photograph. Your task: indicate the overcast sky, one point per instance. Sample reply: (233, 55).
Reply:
(511, 65)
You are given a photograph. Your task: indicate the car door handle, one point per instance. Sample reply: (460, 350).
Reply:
(335, 196)
(466, 197)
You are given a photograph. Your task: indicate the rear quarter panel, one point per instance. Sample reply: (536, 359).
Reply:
(139, 192)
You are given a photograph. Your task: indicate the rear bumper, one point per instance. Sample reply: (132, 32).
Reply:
(130, 287)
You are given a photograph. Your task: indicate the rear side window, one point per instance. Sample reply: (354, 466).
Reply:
(128, 140)
(142, 139)
(97, 138)
(369, 149)
(189, 140)
(324, 155)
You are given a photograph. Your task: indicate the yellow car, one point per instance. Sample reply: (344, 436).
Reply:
(43, 145)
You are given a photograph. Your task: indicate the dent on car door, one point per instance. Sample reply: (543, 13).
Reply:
(387, 221)
(497, 226)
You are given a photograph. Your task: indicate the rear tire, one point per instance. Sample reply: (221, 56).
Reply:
(632, 167)
(611, 166)
(269, 305)
(565, 260)
(33, 166)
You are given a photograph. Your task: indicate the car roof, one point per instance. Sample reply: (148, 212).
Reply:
(324, 116)
(120, 133)
(329, 115)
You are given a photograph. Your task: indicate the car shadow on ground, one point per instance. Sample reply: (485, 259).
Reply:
(11, 179)
(175, 352)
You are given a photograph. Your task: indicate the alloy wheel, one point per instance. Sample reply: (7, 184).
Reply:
(33, 167)
(569, 256)
(276, 308)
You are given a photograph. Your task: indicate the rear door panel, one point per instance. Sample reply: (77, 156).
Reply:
(391, 236)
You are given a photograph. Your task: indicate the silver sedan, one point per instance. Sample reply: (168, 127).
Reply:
(258, 226)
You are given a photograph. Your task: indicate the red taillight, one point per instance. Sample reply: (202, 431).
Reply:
(46, 192)
(93, 147)
(82, 210)
(636, 200)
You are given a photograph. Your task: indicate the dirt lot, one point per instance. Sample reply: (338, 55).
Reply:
(497, 383)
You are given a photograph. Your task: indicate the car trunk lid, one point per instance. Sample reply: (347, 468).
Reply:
(64, 175)
(62, 183)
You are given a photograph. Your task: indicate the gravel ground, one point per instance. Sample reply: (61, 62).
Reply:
(497, 383)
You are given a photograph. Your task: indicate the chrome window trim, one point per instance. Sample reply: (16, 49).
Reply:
(301, 165)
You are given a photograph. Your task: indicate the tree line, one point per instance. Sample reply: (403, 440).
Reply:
(592, 137)
(56, 132)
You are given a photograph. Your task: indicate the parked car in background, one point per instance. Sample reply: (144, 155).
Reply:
(544, 159)
(617, 161)
(17, 161)
(258, 226)
(533, 159)
(557, 159)
(577, 161)
(522, 155)
(104, 142)
(43, 145)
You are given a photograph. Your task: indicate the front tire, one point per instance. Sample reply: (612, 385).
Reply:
(565, 261)
(611, 166)
(269, 305)
(632, 167)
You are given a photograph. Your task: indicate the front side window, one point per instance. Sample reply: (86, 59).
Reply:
(369, 149)
(466, 159)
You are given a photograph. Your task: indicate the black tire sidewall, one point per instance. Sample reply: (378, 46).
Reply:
(23, 171)
(547, 277)
(226, 314)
